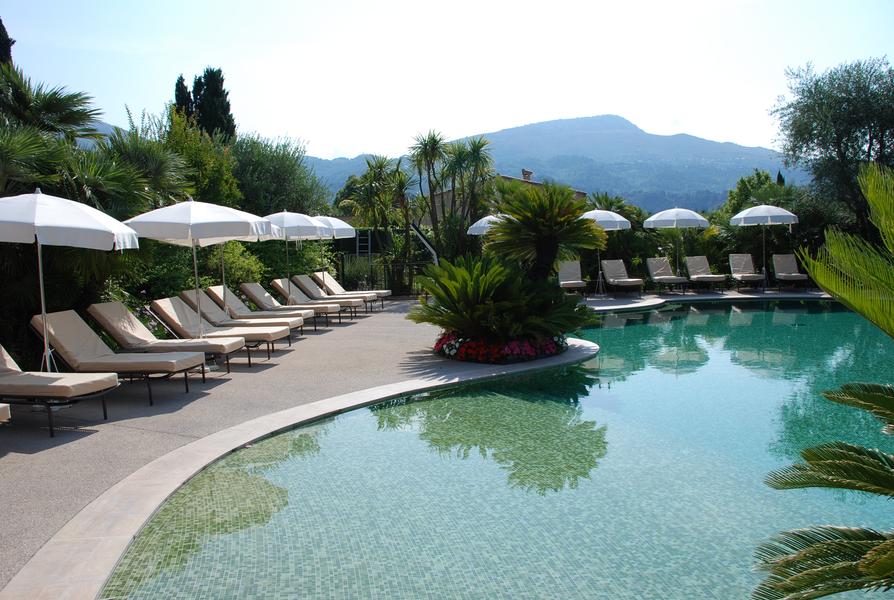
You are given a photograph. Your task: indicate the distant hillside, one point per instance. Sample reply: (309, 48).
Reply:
(610, 154)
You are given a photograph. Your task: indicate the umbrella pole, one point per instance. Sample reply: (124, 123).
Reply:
(46, 361)
(288, 270)
(195, 271)
(223, 279)
(600, 286)
(764, 252)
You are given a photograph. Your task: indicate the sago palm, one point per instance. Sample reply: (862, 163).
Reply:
(819, 561)
(542, 223)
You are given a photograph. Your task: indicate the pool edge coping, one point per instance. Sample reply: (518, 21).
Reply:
(78, 559)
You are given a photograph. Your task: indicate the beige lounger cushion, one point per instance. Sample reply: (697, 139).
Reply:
(312, 290)
(328, 283)
(785, 268)
(83, 350)
(4, 413)
(699, 270)
(55, 385)
(660, 271)
(569, 275)
(130, 333)
(15, 382)
(742, 268)
(616, 274)
(296, 297)
(236, 307)
(183, 320)
(214, 313)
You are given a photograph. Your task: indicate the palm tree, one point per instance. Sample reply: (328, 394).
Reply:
(165, 171)
(819, 561)
(456, 158)
(544, 223)
(480, 165)
(28, 159)
(51, 110)
(428, 152)
(400, 182)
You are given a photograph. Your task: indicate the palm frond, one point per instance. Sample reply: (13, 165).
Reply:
(839, 465)
(820, 561)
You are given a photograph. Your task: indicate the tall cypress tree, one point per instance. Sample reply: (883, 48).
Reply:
(6, 43)
(780, 180)
(182, 98)
(212, 105)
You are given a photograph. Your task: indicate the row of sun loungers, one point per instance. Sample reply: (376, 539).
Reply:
(224, 325)
(742, 272)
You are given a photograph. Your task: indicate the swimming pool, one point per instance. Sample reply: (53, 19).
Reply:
(637, 475)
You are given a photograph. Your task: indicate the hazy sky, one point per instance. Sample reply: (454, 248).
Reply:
(353, 77)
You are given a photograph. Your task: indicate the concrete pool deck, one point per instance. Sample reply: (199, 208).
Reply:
(75, 501)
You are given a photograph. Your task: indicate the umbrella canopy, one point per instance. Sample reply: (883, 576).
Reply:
(339, 228)
(676, 218)
(764, 214)
(193, 223)
(51, 221)
(297, 226)
(483, 225)
(608, 220)
(198, 224)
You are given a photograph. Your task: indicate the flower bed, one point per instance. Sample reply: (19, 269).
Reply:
(452, 345)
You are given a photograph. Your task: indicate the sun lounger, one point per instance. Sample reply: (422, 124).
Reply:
(785, 270)
(741, 267)
(295, 297)
(328, 283)
(661, 273)
(570, 277)
(313, 291)
(50, 389)
(238, 309)
(219, 318)
(616, 275)
(261, 298)
(130, 333)
(700, 272)
(184, 321)
(85, 352)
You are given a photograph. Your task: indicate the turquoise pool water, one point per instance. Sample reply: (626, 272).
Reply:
(637, 475)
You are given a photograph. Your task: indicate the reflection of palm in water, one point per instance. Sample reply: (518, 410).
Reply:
(228, 497)
(531, 427)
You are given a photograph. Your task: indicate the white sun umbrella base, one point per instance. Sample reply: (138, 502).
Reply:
(200, 224)
(50, 221)
(764, 214)
(609, 221)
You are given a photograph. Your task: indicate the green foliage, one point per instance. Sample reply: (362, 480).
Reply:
(543, 225)
(241, 265)
(273, 176)
(211, 104)
(6, 44)
(820, 561)
(210, 161)
(837, 120)
(182, 98)
(28, 159)
(50, 110)
(491, 300)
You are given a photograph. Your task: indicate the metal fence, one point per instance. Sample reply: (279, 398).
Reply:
(371, 272)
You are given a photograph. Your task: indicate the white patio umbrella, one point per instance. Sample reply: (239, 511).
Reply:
(50, 221)
(483, 225)
(200, 224)
(764, 214)
(339, 228)
(610, 221)
(297, 226)
(676, 218)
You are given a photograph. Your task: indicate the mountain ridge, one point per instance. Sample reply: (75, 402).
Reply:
(608, 153)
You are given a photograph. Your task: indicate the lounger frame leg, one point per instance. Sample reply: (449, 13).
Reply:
(186, 380)
(149, 386)
(203, 372)
(227, 360)
(49, 410)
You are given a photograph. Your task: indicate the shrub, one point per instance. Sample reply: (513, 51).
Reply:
(490, 304)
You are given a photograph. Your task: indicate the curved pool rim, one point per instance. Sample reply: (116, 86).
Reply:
(81, 556)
